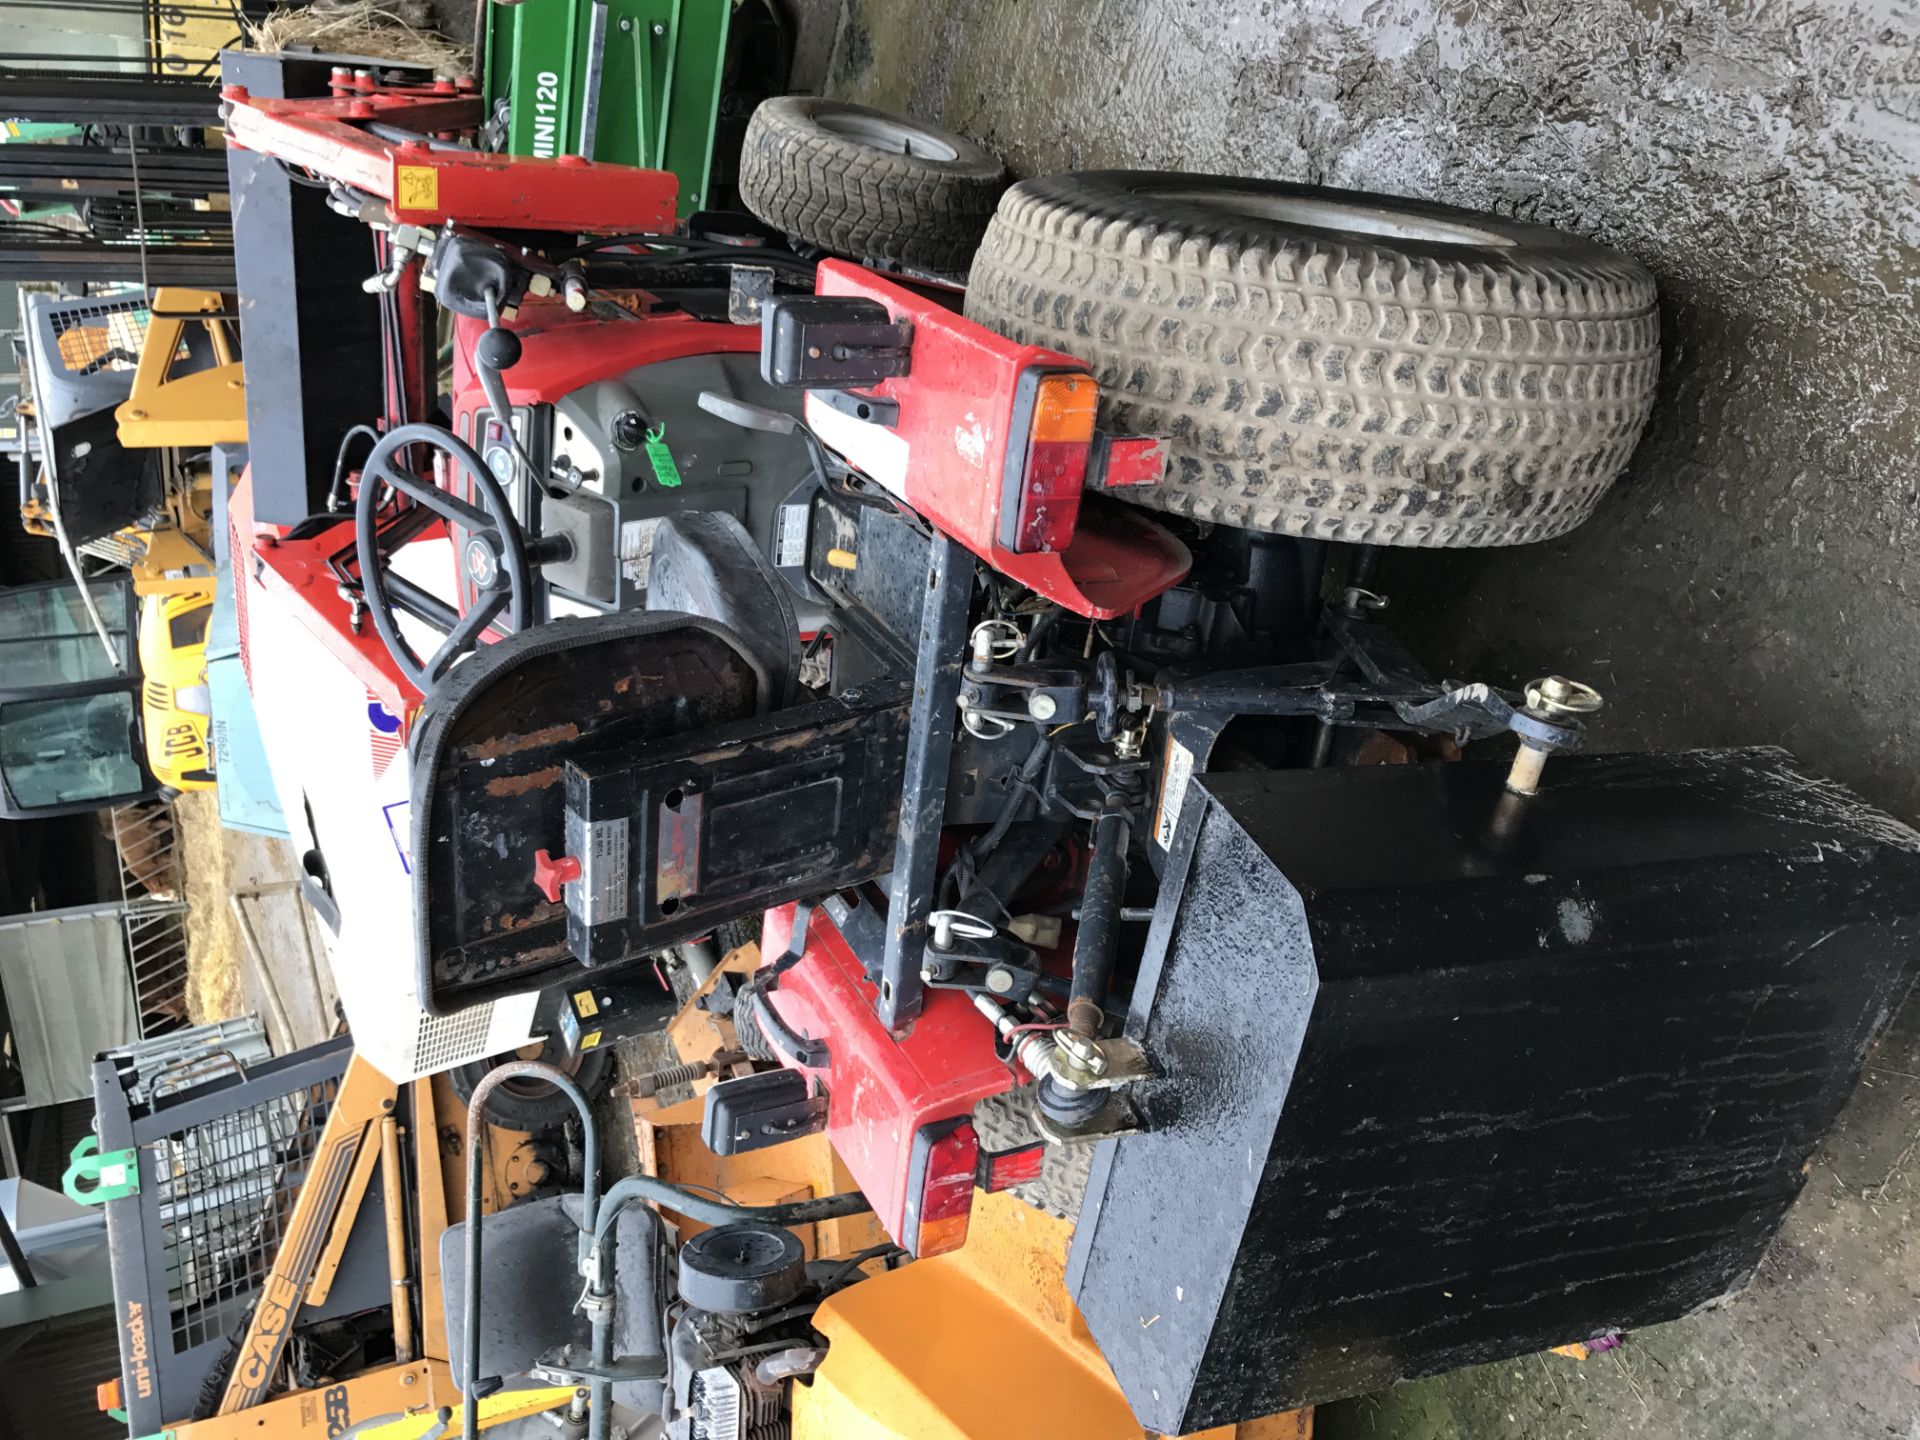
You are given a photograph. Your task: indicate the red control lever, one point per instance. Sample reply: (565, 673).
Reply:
(549, 874)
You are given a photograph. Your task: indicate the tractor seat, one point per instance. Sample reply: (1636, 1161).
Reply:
(495, 743)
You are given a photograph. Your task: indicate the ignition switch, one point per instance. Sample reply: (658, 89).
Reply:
(630, 429)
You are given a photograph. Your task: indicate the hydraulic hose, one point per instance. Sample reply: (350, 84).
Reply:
(709, 1211)
(601, 1390)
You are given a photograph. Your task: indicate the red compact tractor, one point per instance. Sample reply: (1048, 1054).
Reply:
(977, 592)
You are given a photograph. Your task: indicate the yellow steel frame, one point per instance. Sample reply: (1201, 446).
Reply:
(411, 1393)
(208, 407)
(365, 1095)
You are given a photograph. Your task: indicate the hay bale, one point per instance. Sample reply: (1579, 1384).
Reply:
(360, 27)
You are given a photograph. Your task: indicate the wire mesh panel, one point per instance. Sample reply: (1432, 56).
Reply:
(221, 1165)
(181, 1060)
(104, 336)
(146, 838)
(225, 1192)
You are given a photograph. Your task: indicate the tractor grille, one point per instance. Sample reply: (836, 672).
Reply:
(225, 1192)
(716, 1405)
(121, 549)
(442, 1041)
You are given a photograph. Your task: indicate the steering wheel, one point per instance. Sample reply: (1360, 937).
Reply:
(493, 553)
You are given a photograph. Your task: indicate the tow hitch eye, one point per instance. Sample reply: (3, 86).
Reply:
(1079, 1081)
(1557, 701)
(1081, 1097)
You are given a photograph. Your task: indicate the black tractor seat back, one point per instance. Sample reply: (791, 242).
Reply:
(489, 777)
(590, 792)
(528, 1261)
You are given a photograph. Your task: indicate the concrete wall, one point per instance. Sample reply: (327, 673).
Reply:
(1752, 579)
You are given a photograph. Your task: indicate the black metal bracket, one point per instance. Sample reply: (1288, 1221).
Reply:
(827, 341)
(873, 409)
(941, 656)
(1001, 967)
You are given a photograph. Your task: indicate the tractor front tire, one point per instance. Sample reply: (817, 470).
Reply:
(1334, 364)
(859, 182)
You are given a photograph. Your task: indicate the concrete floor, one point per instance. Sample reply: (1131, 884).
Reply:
(1752, 579)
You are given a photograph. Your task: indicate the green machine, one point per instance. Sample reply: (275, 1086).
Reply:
(633, 81)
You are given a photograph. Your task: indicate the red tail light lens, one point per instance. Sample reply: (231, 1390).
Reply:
(940, 1176)
(1051, 442)
(1004, 1169)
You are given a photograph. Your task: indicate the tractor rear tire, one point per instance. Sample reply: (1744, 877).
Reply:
(1334, 364)
(862, 183)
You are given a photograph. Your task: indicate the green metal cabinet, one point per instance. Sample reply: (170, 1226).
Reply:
(658, 63)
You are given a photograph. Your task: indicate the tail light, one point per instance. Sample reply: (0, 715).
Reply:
(1047, 453)
(1004, 1169)
(940, 1176)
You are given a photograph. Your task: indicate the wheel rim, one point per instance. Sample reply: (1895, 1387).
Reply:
(532, 1087)
(885, 132)
(1321, 212)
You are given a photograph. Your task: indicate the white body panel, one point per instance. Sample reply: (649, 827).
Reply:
(877, 452)
(345, 784)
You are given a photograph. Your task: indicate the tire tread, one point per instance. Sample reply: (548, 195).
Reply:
(855, 200)
(1336, 389)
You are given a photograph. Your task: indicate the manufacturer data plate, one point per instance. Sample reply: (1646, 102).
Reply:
(602, 846)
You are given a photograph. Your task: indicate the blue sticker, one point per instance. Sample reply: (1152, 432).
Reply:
(399, 822)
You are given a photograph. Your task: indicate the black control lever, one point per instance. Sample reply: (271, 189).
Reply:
(496, 351)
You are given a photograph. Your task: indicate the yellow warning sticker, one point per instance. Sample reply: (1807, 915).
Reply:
(584, 1002)
(416, 187)
(588, 1041)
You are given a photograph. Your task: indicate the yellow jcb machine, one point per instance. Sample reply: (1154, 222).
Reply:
(127, 400)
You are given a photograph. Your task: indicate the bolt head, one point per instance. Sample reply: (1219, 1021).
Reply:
(1042, 707)
(1000, 980)
(1082, 1051)
(1555, 696)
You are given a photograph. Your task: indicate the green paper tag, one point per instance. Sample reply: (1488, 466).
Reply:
(661, 458)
